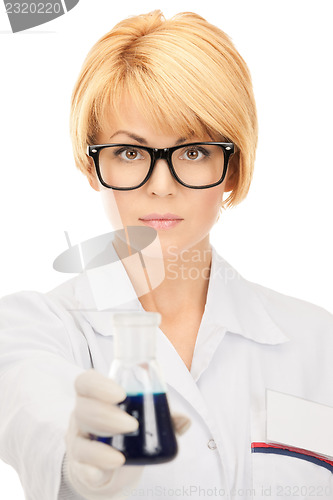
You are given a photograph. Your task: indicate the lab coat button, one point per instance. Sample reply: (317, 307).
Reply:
(211, 444)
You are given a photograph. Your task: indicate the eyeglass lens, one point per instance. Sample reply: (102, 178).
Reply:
(195, 165)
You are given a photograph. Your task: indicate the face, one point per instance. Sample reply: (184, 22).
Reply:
(190, 213)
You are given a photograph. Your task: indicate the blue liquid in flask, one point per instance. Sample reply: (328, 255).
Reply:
(154, 442)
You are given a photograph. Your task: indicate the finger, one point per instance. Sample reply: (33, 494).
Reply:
(98, 479)
(103, 419)
(181, 423)
(96, 454)
(91, 476)
(93, 384)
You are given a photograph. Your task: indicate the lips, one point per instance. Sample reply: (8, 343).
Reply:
(160, 217)
(161, 221)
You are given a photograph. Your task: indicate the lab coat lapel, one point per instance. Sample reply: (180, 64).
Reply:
(233, 306)
(239, 306)
(177, 375)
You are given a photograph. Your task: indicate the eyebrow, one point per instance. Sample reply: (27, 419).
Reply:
(142, 140)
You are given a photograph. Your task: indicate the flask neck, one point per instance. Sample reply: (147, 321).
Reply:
(135, 343)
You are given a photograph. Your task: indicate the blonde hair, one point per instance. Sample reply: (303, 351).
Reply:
(183, 74)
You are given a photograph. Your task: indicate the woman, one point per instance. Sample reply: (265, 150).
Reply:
(166, 109)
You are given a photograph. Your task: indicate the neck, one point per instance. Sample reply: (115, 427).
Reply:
(185, 283)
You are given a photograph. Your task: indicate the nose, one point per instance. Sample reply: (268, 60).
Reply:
(161, 182)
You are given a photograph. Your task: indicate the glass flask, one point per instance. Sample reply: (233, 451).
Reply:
(135, 368)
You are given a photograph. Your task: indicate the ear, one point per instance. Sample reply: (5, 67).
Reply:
(232, 173)
(92, 176)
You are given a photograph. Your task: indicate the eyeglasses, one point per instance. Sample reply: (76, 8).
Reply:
(198, 165)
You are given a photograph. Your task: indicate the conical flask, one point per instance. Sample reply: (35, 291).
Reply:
(135, 368)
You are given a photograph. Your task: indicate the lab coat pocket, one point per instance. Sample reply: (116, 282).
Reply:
(279, 468)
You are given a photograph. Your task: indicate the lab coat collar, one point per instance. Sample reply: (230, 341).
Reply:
(237, 305)
(233, 305)
(100, 320)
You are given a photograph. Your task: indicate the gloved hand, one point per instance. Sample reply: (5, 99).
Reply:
(93, 469)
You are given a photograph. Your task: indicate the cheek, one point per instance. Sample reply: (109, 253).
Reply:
(114, 204)
(208, 203)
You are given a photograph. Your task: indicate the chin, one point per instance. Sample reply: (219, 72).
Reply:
(171, 250)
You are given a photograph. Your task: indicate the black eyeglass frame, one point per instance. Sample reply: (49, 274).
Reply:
(161, 154)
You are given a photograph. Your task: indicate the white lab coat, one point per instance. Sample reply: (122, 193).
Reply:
(250, 339)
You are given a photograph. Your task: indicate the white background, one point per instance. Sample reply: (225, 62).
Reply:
(280, 236)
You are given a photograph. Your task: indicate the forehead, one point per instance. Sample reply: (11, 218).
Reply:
(146, 119)
(128, 119)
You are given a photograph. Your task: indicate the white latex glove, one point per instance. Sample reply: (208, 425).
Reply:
(92, 468)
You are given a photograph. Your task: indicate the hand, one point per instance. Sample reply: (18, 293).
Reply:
(93, 468)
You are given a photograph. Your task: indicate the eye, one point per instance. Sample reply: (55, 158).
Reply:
(129, 154)
(194, 153)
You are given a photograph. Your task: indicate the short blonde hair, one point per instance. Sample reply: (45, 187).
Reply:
(184, 75)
